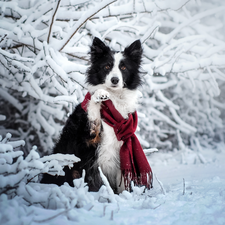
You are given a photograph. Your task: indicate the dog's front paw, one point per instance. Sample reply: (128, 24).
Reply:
(101, 95)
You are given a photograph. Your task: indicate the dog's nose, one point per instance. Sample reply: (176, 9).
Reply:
(115, 80)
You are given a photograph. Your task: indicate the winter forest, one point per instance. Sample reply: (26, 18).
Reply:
(44, 55)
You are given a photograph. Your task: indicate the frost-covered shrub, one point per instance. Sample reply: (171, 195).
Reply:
(19, 176)
(43, 55)
(188, 71)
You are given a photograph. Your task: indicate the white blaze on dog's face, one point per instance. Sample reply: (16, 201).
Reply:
(114, 70)
(115, 78)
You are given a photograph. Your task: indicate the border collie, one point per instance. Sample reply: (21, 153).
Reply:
(111, 75)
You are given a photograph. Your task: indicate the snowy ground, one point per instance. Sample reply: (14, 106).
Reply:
(189, 194)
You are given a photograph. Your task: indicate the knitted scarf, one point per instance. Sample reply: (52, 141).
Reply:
(133, 162)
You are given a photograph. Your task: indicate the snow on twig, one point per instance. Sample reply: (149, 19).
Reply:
(5, 95)
(183, 186)
(15, 169)
(161, 185)
(44, 58)
(83, 20)
(52, 217)
(188, 22)
(109, 190)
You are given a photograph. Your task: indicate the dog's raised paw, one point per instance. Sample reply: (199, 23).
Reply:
(101, 95)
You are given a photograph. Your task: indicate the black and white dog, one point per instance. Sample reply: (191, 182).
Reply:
(111, 75)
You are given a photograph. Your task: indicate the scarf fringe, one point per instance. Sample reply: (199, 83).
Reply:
(145, 179)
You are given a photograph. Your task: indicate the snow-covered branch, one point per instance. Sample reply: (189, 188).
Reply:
(44, 49)
(15, 169)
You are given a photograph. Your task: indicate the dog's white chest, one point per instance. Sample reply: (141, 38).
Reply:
(108, 151)
(109, 157)
(109, 148)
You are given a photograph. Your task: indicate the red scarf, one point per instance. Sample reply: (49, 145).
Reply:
(133, 162)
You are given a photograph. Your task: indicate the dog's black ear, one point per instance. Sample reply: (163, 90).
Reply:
(98, 49)
(98, 46)
(134, 51)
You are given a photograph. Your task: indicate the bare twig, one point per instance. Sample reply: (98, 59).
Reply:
(91, 208)
(161, 185)
(183, 186)
(118, 207)
(109, 10)
(53, 19)
(15, 57)
(134, 5)
(174, 9)
(126, 15)
(104, 209)
(111, 218)
(78, 57)
(143, 1)
(3, 38)
(28, 181)
(82, 23)
(52, 217)
(150, 35)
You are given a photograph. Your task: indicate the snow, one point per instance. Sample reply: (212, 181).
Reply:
(11, 99)
(83, 19)
(48, 128)
(190, 192)
(184, 46)
(183, 92)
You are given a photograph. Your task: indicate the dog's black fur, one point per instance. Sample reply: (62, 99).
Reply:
(101, 56)
(75, 137)
(74, 140)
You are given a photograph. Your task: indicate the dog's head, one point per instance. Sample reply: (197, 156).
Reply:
(115, 70)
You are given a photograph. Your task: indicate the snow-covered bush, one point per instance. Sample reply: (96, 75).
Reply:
(187, 75)
(19, 176)
(19, 180)
(44, 57)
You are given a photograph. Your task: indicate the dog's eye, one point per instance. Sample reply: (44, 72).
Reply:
(123, 68)
(107, 67)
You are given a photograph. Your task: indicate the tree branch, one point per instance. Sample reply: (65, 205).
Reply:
(53, 19)
(83, 22)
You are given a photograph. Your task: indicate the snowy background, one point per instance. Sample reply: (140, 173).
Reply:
(44, 47)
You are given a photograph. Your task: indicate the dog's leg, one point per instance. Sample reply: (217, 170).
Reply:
(94, 116)
(95, 130)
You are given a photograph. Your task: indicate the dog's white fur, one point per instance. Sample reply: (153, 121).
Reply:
(115, 72)
(125, 102)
